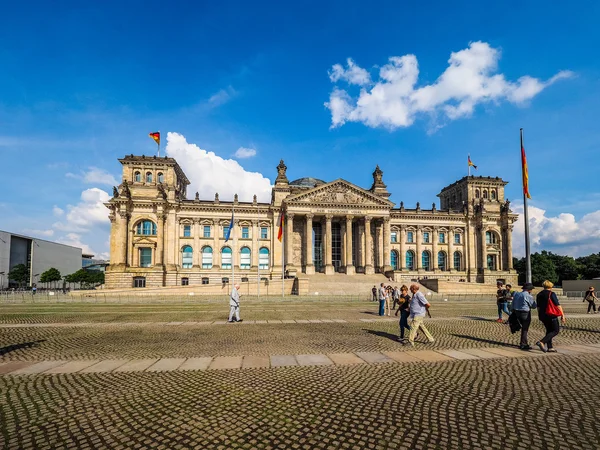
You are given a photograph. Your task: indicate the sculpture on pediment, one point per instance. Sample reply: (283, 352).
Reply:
(337, 194)
(115, 192)
(281, 176)
(197, 198)
(125, 189)
(216, 197)
(161, 191)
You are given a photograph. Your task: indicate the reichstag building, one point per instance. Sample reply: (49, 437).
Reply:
(159, 237)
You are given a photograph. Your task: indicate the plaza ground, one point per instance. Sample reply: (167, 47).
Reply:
(295, 374)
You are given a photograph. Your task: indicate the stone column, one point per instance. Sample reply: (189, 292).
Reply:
(434, 243)
(349, 264)
(483, 249)
(196, 249)
(418, 256)
(343, 245)
(172, 234)
(289, 241)
(130, 250)
(402, 257)
(216, 247)
(361, 249)
(255, 244)
(369, 269)
(471, 252)
(327, 241)
(309, 267)
(379, 241)
(386, 244)
(235, 249)
(509, 255)
(122, 237)
(451, 250)
(178, 261)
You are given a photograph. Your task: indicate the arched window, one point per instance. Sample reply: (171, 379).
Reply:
(137, 177)
(457, 261)
(226, 258)
(426, 260)
(207, 258)
(160, 177)
(441, 256)
(410, 260)
(148, 177)
(493, 194)
(187, 257)
(485, 194)
(146, 227)
(263, 258)
(491, 237)
(476, 193)
(245, 258)
(394, 259)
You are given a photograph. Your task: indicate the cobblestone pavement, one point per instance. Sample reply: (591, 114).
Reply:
(476, 403)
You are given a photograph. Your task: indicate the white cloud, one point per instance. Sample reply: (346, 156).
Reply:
(562, 234)
(394, 101)
(94, 175)
(244, 152)
(39, 233)
(210, 173)
(222, 96)
(58, 212)
(74, 240)
(90, 211)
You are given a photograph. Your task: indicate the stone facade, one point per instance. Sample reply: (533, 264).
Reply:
(160, 238)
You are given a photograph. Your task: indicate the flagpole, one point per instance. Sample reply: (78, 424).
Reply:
(469, 165)
(235, 250)
(257, 249)
(526, 214)
(158, 145)
(282, 256)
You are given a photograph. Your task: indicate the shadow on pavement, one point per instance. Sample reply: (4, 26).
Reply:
(483, 319)
(487, 341)
(14, 347)
(567, 327)
(390, 336)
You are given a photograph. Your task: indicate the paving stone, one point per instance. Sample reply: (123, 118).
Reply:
(430, 356)
(345, 358)
(72, 366)
(261, 321)
(166, 364)
(403, 357)
(511, 353)
(587, 348)
(256, 361)
(480, 353)
(107, 365)
(313, 360)
(456, 354)
(315, 321)
(340, 320)
(302, 321)
(136, 365)
(226, 362)
(195, 364)
(288, 321)
(175, 323)
(220, 322)
(7, 367)
(579, 349)
(274, 321)
(374, 357)
(36, 368)
(283, 360)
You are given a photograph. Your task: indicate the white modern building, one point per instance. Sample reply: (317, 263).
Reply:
(38, 255)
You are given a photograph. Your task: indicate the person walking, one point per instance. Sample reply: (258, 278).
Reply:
(419, 306)
(501, 301)
(591, 298)
(549, 310)
(234, 305)
(509, 297)
(374, 292)
(382, 295)
(388, 300)
(522, 304)
(404, 311)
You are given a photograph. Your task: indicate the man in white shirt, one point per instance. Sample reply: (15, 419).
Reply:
(418, 308)
(234, 305)
(382, 296)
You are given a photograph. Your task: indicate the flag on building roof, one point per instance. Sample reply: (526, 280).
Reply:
(525, 173)
(471, 163)
(229, 228)
(155, 136)
(281, 225)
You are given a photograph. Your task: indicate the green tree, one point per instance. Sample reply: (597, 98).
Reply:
(51, 275)
(542, 268)
(590, 266)
(19, 274)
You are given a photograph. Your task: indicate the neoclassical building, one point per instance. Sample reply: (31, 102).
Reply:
(159, 237)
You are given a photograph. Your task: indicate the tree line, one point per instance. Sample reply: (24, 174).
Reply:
(557, 268)
(20, 274)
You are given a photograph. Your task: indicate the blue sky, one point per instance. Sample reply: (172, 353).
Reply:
(81, 86)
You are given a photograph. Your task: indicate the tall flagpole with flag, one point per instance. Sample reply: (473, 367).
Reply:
(281, 239)
(156, 137)
(227, 236)
(470, 164)
(526, 196)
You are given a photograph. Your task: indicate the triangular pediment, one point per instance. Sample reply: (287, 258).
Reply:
(338, 192)
(143, 240)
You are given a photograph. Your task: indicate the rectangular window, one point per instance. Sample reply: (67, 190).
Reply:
(185, 281)
(263, 233)
(457, 238)
(139, 282)
(187, 230)
(394, 236)
(245, 233)
(145, 257)
(205, 280)
(409, 237)
(442, 238)
(426, 237)
(206, 231)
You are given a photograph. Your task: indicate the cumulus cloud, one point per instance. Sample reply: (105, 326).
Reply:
(39, 233)
(94, 175)
(562, 234)
(395, 101)
(222, 96)
(210, 173)
(58, 212)
(244, 152)
(74, 240)
(89, 212)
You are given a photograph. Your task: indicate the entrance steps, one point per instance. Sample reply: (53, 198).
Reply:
(342, 284)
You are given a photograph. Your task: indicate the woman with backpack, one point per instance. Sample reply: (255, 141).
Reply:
(591, 298)
(549, 310)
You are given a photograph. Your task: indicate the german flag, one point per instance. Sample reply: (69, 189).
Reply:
(155, 136)
(470, 164)
(525, 173)
(281, 225)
